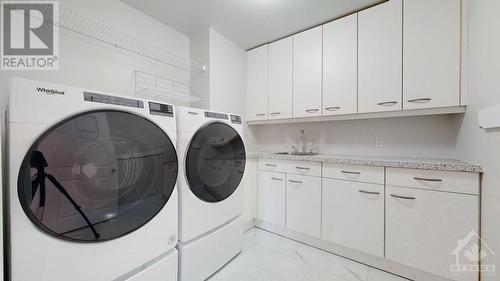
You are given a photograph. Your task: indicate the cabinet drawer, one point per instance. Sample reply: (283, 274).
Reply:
(304, 168)
(273, 165)
(434, 180)
(354, 173)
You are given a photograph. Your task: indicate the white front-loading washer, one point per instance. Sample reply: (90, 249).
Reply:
(92, 186)
(212, 162)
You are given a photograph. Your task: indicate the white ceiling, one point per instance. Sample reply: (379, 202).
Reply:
(249, 23)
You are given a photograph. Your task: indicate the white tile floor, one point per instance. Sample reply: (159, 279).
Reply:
(269, 257)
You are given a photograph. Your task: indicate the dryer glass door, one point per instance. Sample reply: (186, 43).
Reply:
(97, 176)
(215, 162)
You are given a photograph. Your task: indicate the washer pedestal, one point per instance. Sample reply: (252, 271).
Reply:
(203, 256)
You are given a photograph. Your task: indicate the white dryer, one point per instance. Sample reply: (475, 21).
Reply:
(92, 186)
(212, 162)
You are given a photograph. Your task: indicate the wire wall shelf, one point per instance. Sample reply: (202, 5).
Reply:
(91, 28)
(152, 87)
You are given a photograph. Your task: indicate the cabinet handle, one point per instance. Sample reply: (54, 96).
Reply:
(271, 165)
(333, 108)
(276, 179)
(425, 179)
(260, 115)
(421, 100)
(369, 192)
(292, 181)
(403, 197)
(275, 113)
(351, 173)
(388, 103)
(312, 110)
(303, 168)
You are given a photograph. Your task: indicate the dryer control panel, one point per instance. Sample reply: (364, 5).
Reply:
(161, 109)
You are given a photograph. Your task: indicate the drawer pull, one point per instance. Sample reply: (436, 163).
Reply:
(351, 173)
(369, 192)
(271, 165)
(387, 103)
(292, 181)
(425, 179)
(276, 179)
(260, 115)
(403, 197)
(333, 108)
(303, 168)
(312, 110)
(275, 113)
(421, 100)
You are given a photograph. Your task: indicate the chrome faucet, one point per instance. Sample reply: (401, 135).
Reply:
(303, 140)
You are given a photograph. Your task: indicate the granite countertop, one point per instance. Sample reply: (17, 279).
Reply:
(438, 164)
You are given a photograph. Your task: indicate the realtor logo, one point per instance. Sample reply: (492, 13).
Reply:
(469, 254)
(29, 35)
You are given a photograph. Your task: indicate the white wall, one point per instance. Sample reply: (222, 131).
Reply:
(227, 74)
(431, 136)
(473, 143)
(200, 52)
(223, 85)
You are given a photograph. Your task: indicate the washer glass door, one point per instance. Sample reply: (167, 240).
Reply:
(215, 162)
(97, 176)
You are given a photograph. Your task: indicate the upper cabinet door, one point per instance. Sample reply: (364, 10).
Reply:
(257, 86)
(307, 59)
(340, 66)
(380, 58)
(280, 79)
(431, 62)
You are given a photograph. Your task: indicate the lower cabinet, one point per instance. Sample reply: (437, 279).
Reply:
(271, 197)
(428, 220)
(432, 230)
(353, 215)
(303, 204)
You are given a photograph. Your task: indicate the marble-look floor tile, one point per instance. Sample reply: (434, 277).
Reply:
(270, 257)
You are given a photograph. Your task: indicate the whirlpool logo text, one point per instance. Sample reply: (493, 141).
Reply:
(49, 91)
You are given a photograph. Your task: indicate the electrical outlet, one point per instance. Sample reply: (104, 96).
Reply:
(379, 141)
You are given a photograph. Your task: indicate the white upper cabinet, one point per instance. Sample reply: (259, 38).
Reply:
(280, 79)
(307, 68)
(431, 62)
(380, 58)
(340, 66)
(257, 86)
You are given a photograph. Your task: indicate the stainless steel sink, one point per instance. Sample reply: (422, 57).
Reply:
(298, 153)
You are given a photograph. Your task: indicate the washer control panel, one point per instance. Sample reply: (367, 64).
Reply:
(161, 109)
(216, 115)
(235, 119)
